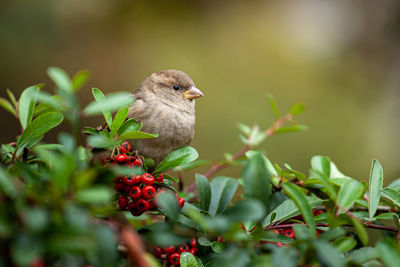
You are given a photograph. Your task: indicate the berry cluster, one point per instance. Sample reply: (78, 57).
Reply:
(137, 192)
(171, 255)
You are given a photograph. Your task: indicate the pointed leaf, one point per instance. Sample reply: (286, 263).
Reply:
(26, 105)
(348, 194)
(291, 129)
(177, 157)
(99, 96)
(222, 191)
(137, 135)
(80, 79)
(39, 127)
(12, 98)
(109, 103)
(60, 78)
(375, 187)
(392, 195)
(300, 199)
(7, 106)
(321, 164)
(129, 125)
(297, 109)
(204, 191)
(273, 105)
(119, 119)
(389, 252)
(188, 260)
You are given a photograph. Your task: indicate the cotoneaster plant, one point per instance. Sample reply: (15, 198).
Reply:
(100, 203)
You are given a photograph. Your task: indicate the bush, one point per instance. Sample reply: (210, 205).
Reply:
(59, 206)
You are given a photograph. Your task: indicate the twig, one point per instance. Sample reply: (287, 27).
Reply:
(373, 226)
(134, 244)
(215, 167)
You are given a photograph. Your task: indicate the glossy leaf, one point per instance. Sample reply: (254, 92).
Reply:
(168, 204)
(301, 202)
(137, 135)
(129, 125)
(192, 165)
(118, 120)
(321, 164)
(256, 175)
(375, 187)
(26, 105)
(60, 78)
(4, 103)
(39, 127)
(108, 103)
(392, 195)
(99, 96)
(188, 260)
(222, 191)
(177, 157)
(204, 191)
(328, 188)
(348, 193)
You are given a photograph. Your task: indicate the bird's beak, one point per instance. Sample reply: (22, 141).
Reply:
(192, 93)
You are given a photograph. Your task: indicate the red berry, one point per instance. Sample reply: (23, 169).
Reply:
(122, 158)
(289, 232)
(135, 192)
(157, 251)
(123, 202)
(169, 250)
(317, 212)
(142, 205)
(160, 178)
(132, 181)
(183, 248)
(125, 147)
(152, 205)
(135, 162)
(181, 202)
(119, 187)
(193, 242)
(174, 258)
(193, 251)
(148, 179)
(219, 239)
(148, 191)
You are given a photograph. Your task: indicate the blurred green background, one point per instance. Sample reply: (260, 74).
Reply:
(340, 58)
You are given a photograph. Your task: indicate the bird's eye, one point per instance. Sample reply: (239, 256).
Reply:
(176, 87)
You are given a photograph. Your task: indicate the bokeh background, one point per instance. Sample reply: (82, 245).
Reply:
(340, 58)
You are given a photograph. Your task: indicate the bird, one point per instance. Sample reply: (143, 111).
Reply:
(165, 105)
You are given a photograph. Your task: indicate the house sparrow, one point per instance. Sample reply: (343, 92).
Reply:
(164, 104)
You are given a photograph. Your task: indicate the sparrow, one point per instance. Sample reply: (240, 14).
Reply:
(165, 104)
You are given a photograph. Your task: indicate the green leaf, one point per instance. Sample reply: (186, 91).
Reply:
(327, 186)
(299, 175)
(101, 141)
(137, 135)
(204, 190)
(392, 195)
(50, 101)
(361, 232)
(90, 130)
(363, 255)
(332, 234)
(297, 109)
(386, 216)
(222, 191)
(12, 98)
(60, 78)
(257, 172)
(39, 127)
(204, 242)
(388, 250)
(188, 260)
(321, 164)
(167, 202)
(95, 195)
(7, 106)
(177, 157)
(192, 165)
(375, 187)
(80, 79)
(26, 105)
(291, 129)
(288, 209)
(99, 96)
(129, 125)
(217, 247)
(109, 103)
(6, 184)
(345, 244)
(300, 199)
(119, 119)
(273, 105)
(244, 129)
(348, 194)
(328, 255)
(245, 210)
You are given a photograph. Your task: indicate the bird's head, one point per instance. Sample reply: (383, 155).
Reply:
(173, 86)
